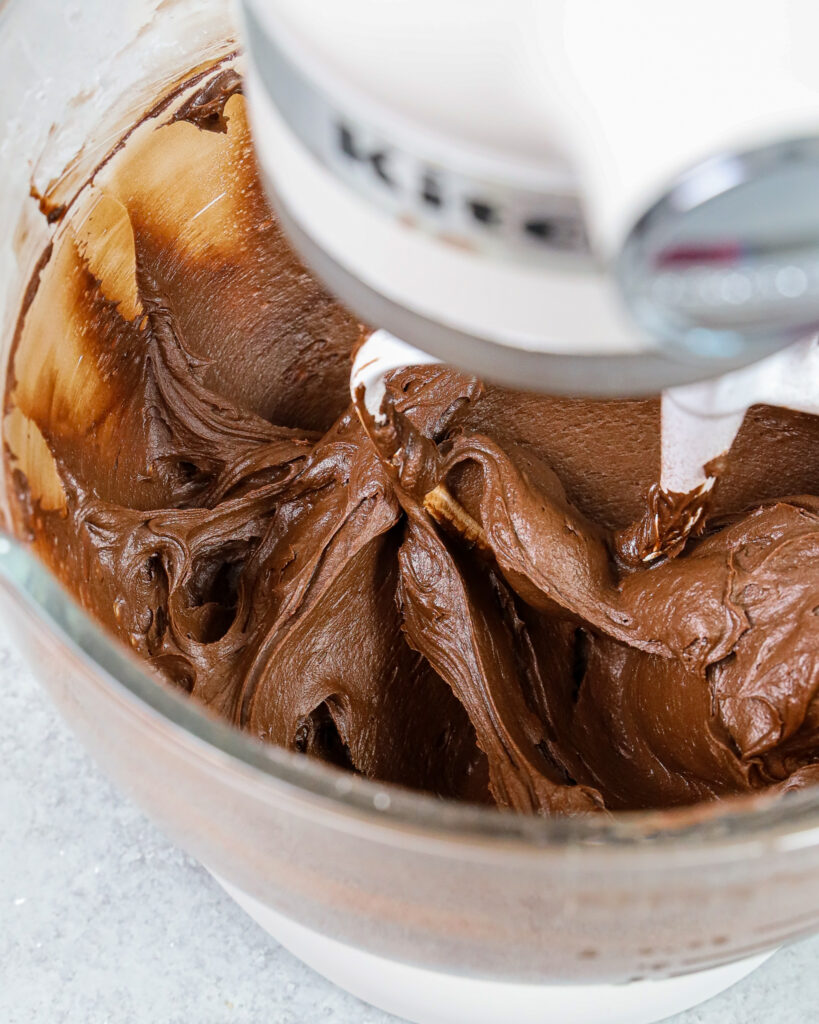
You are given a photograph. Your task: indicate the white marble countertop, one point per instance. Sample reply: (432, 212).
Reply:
(103, 921)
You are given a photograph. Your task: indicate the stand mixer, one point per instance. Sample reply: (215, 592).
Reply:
(435, 911)
(565, 196)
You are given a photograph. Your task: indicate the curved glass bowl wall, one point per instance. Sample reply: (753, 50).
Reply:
(459, 889)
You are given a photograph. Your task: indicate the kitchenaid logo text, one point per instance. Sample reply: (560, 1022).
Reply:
(440, 195)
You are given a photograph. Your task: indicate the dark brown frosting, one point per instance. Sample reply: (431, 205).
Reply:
(206, 107)
(670, 519)
(458, 600)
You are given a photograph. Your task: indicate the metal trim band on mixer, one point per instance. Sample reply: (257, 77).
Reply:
(425, 183)
(759, 290)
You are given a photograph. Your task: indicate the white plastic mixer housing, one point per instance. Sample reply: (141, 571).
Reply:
(476, 178)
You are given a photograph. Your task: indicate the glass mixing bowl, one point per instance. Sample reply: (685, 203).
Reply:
(459, 890)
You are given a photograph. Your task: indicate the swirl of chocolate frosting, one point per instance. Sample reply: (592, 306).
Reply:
(457, 598)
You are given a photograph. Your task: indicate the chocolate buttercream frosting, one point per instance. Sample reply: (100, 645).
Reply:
(484, 596)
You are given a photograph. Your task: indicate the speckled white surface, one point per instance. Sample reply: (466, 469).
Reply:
(103, 921)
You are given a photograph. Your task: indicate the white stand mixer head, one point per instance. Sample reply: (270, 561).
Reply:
(565, 196)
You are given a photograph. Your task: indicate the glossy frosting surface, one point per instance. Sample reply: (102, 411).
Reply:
(448, 601)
